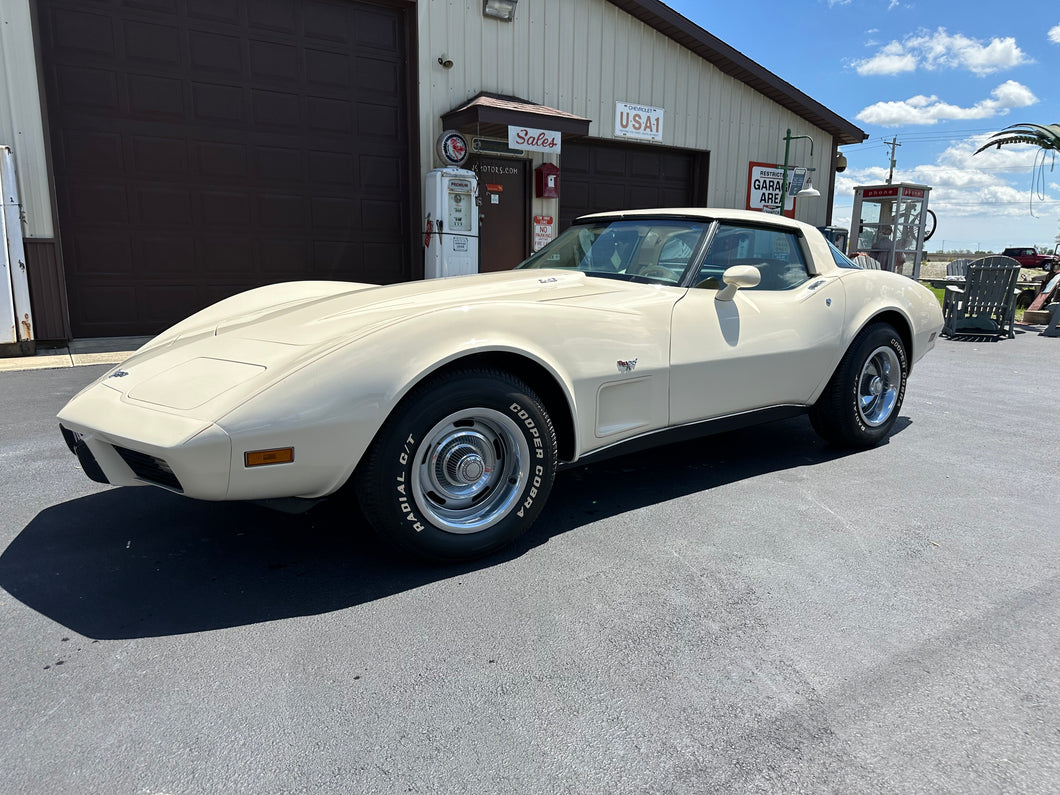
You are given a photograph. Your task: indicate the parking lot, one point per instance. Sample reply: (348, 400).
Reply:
(755, 612)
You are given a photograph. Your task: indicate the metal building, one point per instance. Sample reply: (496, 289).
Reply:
(173, 152)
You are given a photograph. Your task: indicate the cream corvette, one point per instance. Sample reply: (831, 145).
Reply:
(446, 406)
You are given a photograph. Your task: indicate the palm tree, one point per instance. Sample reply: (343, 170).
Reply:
(1045, 137)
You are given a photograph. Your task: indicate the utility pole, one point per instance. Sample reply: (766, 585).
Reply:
(892, 143)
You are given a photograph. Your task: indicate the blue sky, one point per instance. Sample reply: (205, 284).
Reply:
(941, 76)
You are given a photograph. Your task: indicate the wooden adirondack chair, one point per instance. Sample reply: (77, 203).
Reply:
(986, 304)
(958, 269)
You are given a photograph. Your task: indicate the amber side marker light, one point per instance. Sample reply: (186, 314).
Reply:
(261, 458)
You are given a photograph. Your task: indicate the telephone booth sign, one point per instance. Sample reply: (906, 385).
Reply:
(890, 224)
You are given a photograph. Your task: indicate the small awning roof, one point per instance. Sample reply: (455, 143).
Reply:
(485, 111)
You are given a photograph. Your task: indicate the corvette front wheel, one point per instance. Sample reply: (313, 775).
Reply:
(462, 467)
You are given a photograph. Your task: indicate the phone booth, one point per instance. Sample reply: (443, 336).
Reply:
(890, 223)
(450, 235)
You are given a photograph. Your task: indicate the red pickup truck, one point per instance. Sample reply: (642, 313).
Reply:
(1030, 257)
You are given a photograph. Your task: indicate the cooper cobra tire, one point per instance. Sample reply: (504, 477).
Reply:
(859, 406)
(462, 467)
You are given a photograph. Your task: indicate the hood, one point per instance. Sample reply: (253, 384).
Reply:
(233, 349)
(356, 312)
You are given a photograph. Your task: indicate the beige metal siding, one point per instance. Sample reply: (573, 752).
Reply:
(21, 126)
(583, 56)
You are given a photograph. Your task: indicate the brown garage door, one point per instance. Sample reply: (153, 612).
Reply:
(201, 147)
(598, 176)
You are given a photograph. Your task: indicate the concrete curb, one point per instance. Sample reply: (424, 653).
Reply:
(79, 353)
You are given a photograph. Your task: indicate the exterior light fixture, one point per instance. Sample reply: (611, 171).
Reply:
(499, 9)
(445, 61)
(809, 191)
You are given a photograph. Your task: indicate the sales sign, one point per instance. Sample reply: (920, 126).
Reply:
(638, 121)
(532, 140)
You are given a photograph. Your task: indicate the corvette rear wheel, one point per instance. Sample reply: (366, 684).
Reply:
(860, 405)
(463, 466)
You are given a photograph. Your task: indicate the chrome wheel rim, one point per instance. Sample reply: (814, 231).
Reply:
(878, 386)
(470, 470)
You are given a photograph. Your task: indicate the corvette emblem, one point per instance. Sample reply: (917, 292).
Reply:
(118, 374)
(627, 367)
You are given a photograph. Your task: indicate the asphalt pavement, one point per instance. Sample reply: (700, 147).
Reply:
(755, 612)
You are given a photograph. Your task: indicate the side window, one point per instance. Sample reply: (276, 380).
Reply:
(775, 252)
(841, 259)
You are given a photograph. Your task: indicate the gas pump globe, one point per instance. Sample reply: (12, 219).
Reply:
(890, 223)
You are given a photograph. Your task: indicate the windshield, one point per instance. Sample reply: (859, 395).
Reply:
(654, 250)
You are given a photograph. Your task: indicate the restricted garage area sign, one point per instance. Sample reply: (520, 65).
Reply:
(764, 182)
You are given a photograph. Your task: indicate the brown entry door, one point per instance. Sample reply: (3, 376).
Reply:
(504, 200)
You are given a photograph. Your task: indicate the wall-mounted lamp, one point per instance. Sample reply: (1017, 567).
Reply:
(809, 192)
(499, 9)
(445, 61)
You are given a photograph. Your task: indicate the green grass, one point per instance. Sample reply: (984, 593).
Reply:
(940, 292)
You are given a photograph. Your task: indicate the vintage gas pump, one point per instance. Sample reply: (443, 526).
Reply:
(450, 236)
(890, 223)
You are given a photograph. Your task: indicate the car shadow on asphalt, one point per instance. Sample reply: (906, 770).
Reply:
(141, 562)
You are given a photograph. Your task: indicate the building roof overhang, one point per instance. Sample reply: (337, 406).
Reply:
(734, 63)
(489, 113)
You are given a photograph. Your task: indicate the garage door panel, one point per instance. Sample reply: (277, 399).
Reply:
(213, 10)
(225, 257)
(98, 300)
(272, 61)
(327, 21)
(272, 15)
(330, 116)
(224, 209)
(102, 253)
(375, 29)
(213, 103)
(378, 122)
(89, 88)
(168, 256)
(276, 109)
(332, 167)
(155, 299)
(83, 33)
(98, 203)
(90, 153)
(279, 211)
(284, 258)
(166, 6)
(212, 52)
(159, 97)
(160, 156)
(325, 69)
(151, 44)
(162, 206)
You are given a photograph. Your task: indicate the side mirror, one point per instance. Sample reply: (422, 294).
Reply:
(736, 277)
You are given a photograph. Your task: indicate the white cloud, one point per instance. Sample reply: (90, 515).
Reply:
(922, 109)
(1054, 35)
(933, 50)
(980, 200)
